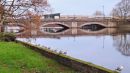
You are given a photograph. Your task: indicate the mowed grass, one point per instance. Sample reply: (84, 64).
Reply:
(15, 58)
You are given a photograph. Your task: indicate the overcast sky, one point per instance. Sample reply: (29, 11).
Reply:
(82, 7)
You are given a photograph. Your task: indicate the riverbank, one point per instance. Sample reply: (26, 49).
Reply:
(78, 65)
(16, 58)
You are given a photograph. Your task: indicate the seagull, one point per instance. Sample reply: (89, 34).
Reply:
(119, 68)
(55, 50)
(60, 52)
(38, 44)
(43, 46)
(65, 53)
(49, 48)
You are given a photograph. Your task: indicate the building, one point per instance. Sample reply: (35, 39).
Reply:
(52, 16)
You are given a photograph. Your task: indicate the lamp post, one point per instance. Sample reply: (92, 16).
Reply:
(103, 21)
(103, 12)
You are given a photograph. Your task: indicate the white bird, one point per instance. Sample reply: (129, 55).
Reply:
(60, 52)
(38, 44)
(55, 50)
(65, 53)
(43, 46)
(120, 68)
(48, 48)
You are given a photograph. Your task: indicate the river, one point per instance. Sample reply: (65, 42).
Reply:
(109, 47)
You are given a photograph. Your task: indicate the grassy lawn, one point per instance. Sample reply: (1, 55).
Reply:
(15, 58)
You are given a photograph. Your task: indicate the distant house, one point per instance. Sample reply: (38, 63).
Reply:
(52, 16)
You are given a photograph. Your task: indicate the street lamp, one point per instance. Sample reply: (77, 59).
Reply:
(103, 12)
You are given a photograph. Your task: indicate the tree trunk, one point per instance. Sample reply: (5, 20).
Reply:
(2, 22)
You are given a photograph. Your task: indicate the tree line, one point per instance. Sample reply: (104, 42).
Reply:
(120, 11)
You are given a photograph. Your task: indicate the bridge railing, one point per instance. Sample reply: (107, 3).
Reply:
(79, 20)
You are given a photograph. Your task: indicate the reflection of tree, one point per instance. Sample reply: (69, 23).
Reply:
(122, 43)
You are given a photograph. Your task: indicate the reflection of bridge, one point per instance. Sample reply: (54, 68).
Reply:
(67, 33)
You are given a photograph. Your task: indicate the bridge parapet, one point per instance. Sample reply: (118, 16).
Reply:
(77, 20)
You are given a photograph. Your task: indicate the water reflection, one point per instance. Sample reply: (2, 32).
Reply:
(93, 27)
(53, 28)
(14, 29)
(122, 43)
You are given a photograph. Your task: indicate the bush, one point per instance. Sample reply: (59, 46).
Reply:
(7, 37)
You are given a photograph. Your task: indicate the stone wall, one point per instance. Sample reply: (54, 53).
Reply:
(80, 66)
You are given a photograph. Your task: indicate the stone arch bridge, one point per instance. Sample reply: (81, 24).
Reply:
(78, 23)
(74, 22)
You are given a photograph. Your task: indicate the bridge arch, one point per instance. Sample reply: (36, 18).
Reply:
(63, 27)
(55, 33)
(102, 31)
(60, 23)
(91, 23)
(17, 28)
(17, 24)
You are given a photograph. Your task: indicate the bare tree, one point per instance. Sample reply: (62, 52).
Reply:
(11, 10)
(122, 10)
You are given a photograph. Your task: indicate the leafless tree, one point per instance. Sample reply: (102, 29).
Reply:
(122, 10)
(10, 10)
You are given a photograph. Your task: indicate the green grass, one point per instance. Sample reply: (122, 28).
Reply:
(15, 58)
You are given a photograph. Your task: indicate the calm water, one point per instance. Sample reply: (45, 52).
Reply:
(109, 49)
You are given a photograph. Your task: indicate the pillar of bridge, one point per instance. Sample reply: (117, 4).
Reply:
(74, 24)
(74, 31)
(111, 24)
(34, 29)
